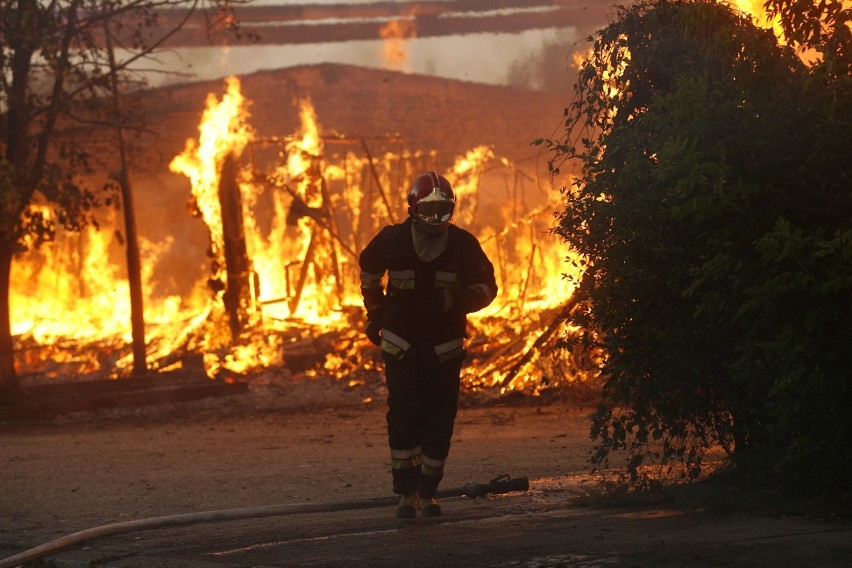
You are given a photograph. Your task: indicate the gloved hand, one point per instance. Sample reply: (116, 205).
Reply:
(374, 332)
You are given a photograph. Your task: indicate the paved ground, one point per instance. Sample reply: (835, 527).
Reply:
(70, 474)
(505, 533)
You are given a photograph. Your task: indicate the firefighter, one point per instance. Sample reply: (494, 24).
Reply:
(437, 273)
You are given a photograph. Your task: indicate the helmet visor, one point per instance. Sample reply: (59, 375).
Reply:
(435, 212)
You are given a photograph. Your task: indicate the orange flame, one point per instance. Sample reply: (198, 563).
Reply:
(302, 243)
(396, 33)
(758, 14)
(223, 131)
(74, 289)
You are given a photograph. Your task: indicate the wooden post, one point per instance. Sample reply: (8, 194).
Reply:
(237, 295)
(293, 303)
(333, 230)
(545, 336)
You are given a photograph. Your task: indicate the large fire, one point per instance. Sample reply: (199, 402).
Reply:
(283, 274)
(301, 220)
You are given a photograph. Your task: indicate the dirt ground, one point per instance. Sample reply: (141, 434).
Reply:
(318, 441)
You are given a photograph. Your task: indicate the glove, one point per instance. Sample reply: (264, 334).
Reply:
(374, 332)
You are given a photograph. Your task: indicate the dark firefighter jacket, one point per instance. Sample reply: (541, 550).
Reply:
(407, 311)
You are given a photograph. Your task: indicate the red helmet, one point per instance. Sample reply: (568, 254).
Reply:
(432, 201)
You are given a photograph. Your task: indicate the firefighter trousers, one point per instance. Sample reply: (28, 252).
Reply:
(423, 397)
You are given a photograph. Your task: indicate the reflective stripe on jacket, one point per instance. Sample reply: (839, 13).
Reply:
(401, 309)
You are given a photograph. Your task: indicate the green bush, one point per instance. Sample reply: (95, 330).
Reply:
(713, 208)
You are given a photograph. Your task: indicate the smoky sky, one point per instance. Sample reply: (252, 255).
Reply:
(482, 57)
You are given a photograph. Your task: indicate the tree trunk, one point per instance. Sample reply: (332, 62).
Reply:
(9, 386)
(134, 269)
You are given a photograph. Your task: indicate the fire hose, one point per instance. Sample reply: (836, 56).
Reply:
(498, 485)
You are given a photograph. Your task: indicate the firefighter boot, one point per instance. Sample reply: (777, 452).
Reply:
(430, 508)
(431, 473)
(405, 465)
(407, 508)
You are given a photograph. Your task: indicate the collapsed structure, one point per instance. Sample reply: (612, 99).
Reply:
(286, 217)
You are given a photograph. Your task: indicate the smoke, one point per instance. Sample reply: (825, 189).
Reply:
(483, 57)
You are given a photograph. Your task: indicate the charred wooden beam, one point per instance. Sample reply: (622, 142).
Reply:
(237, 296)
(557, 321)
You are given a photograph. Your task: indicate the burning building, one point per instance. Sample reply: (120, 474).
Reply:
(284, 210)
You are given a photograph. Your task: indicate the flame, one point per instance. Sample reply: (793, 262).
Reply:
(304, 221)
(292, 261)
(302, 177)
(73, 290)
(305, 173)
(395, 47)
(223, 131)
(279, 256)
(466, 175)
(304, 281)
(757, 12)
(42, 282)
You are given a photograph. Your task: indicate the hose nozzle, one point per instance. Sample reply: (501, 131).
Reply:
(501, 484)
